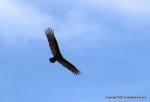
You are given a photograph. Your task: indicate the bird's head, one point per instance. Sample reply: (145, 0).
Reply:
(52, 60)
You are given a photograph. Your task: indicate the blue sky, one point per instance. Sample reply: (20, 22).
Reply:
(108, 40)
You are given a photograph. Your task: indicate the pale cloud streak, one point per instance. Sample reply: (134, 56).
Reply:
(128, 7)
(20, 21)
(24, 21)
(13, 13)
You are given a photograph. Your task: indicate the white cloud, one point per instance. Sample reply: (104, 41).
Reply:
(15, 14)
(28, 22)
(20, 21)
(131, 7)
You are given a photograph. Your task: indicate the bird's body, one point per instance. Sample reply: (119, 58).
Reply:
(57, 56)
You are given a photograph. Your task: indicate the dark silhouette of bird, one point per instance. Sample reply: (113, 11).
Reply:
(57, 56)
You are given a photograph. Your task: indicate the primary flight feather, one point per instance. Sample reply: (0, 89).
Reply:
(57, 56)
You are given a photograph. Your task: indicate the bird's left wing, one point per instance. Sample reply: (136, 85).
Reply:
(69, 66)
(52, 41)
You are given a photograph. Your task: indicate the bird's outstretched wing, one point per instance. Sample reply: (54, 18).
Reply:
(69, 66)
(52, 41)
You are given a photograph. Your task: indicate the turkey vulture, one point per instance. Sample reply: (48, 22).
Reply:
(57, 56)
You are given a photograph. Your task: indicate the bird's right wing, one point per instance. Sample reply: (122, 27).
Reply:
(69, 66)
(52, 41)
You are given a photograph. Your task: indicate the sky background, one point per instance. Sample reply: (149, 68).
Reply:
(108, 40)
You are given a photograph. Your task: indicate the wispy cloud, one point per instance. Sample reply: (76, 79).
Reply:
(131, 7)
(20, 21)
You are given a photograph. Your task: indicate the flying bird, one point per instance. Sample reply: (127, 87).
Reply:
(57, 56)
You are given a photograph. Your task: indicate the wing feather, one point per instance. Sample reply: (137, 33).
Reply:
(69, 66)
(52, 41)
